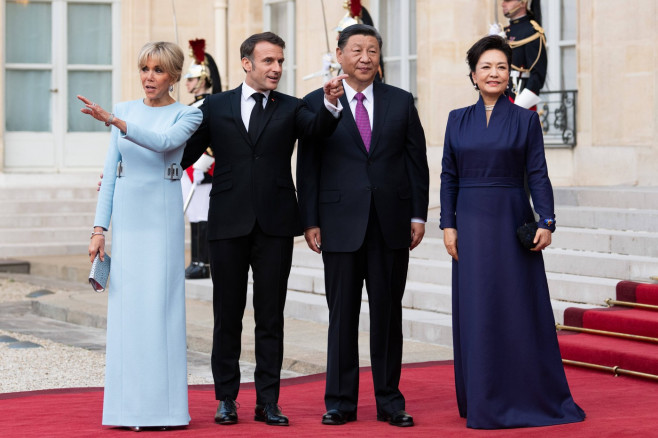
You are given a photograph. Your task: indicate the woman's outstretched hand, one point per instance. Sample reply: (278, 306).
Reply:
(94, 110)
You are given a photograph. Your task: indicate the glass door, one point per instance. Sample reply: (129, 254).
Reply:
(55, 50)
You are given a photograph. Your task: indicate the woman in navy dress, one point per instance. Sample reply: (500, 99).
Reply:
(508, 369)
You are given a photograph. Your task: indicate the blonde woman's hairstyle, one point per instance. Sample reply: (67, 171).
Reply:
(168, 55)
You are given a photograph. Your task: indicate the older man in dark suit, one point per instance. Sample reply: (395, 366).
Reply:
(253, 215)
(363, 192)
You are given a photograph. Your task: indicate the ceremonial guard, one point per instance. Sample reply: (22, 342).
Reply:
(202, 79)
(528, 42)
(356, 14)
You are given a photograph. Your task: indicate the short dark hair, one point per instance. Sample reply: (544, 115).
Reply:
(490, 42)
(358, 29)
(248, 45)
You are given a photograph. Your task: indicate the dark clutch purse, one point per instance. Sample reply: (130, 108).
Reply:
(526, 234)
(100, 271)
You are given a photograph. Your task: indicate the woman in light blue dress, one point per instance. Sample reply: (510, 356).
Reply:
(146, 364)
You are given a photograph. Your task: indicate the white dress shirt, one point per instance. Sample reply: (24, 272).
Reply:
(368, 102)
(247, 103)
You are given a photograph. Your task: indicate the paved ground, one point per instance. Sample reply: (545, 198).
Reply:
(52, 335)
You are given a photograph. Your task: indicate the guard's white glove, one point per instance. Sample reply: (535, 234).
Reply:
(495, 29)
(527, 99)
(197, 175)
(204, 162)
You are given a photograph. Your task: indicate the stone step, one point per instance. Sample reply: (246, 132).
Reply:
(61, 194)
(426, 316)
(420, 296)
(602, 265)
(84, 206)
(15, 266)
(43, 249)
(582, 289)
(640, 243)
(611, 197)
(581, 263)
(47, 220)
(419, 325)
(62, 234)
(581, 276)
(607, 218)
(437, 272)
(430, 248)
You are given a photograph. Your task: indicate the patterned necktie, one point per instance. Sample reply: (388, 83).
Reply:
(362, 120)
(256, 117)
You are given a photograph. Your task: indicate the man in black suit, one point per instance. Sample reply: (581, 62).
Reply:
(254, 215)
(363, 193)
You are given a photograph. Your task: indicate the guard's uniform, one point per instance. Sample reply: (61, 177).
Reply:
(197, 211)
(529, 63)
(205, 69)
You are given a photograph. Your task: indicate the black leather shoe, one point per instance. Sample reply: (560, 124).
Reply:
(227, 412)
(399, 418)
(197, 270)
(270, 414)
(336, 417)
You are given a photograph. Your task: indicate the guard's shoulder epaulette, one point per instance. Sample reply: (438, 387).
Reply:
(537, 27)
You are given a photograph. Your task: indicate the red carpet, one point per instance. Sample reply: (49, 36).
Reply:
(643, 293)
(615, 319)
(599, 349)
(615, 406)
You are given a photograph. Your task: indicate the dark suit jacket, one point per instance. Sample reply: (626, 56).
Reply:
(337, 178)
(253, 182)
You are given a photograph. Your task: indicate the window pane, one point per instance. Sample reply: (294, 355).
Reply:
(28, 32)
(279, 24)
(392, 73)
(97, 86)
(412, 27)
(390, 28)
(27, 100)
(569, 71)
(568, 12)
(279, 16)
(413, 83)
(89, 34)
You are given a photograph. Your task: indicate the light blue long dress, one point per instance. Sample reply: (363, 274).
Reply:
(146, 362)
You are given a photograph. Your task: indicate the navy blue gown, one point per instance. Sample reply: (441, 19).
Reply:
(508, 369)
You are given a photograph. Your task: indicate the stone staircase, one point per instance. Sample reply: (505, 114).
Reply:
(41, 220)
(604, 235)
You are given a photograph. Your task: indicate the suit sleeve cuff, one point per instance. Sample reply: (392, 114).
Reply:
(335, 110)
